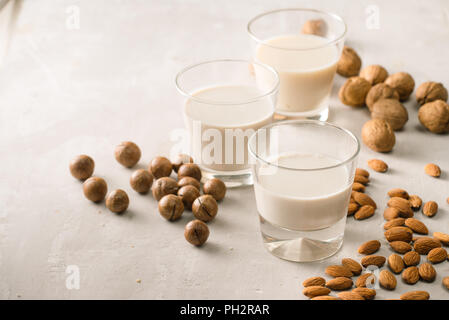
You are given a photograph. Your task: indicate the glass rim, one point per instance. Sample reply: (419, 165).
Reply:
(305, 122)
(329, 14)
(184, 92)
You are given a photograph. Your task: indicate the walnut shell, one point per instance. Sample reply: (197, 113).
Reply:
(380, 91)
(317, 27)
(349, 63)
(378, 135)
(403, 83)
(430, 91)
(392, 111)
(354, 91)
(374, 74)
(435, 116)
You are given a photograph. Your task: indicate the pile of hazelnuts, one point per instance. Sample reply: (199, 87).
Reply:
(173, 196)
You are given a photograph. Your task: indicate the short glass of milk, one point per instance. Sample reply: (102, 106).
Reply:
(303, 172)
(224, 103)
(306, 63)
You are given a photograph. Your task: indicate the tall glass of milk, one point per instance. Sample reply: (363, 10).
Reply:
(224, 103)
(305, 58)
(303, 172)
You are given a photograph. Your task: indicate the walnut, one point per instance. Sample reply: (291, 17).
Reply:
(392, 111)
(378, 135)
(317, 27)
(435, 116)
(349, 63)
(403, 83)
(374, 74)
(380, 91)
(354, 91)
(430, 91)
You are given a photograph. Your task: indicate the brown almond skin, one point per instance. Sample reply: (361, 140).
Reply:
(314, 281)
(398, 192)
(397, 222)
(352, 208)
(401, 246)
(339, 283)
(415, 202)
(430, 208)
(437, 255)
(364, 212)
(411, 258)
(399, 234)
(427, 272)
(410, 275)
(416, 226)
(369, 247)
(387, 280)
(338, 271)
(325, 298)
(364, 279)
(403, 205)
(373, 260)
(368, 294)
(356, 186)
(415, 295)
(432, 170)
(352, 265)
(378, 165)
(423, 245)
(362, 172)
(395, 263)
(346, 295)
(315, 291)
(364, 199)
(442, 237)
(391, 213)
(361, 179)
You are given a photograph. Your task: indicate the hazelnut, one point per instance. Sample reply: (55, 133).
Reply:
(185, 181)
(392, 111)
(317, 27)
(205, 208)
(403, 83)
(188, 194)
(374, 74)
(216, 188)
(82, 167)
(117, 201)
(160, 167)
(95, 189)
(189, 170)
(349, 63)
(171, 207)
(378, 135)
(354, 91)
(380, 91)
(431, 91)
(141, 181)
(435, 116)
(127, 154)
(196, 232)
(179, 160)
(164, 186)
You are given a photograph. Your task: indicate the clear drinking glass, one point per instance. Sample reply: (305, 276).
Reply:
(306, 62)
(303, 172)
(225, 102)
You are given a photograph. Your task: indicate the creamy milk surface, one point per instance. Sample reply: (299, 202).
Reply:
(306, 75)
(303, 200)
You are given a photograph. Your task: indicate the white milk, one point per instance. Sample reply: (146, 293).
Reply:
(303, 200)
(214, 145)
(306, 76)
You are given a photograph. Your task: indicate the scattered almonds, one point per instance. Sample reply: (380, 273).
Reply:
(411, 258)
(369, 247)
(391, 213)
(362, 172)
(399, 234)
(415, 202)
(314, 281)
(398, 192)
(416, 226)
(364, 212)
(396, 222)
(400, 246)
(415, 295)
(432, 170)
(352, 265)
(361, 179)
(365, 279)
(437, 255)
(346, 295)
(387, 280)
(423, 245)
(352, 208)
(339, 283)
(430, 208)
(338, 271)
(442, 237)
(410, 275)
(403, 205)
(357, 186)
(366, 293)
(364, 199)
(395, 263)
(325, 298)
(315, 291)
(373, 260)
(378, 165)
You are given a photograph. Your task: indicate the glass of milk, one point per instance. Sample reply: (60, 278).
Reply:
(224, 103)
(303, 172)
(306, 62)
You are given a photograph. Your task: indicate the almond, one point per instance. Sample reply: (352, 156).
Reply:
(387, 280)
(364, 212)
(364, 199)
(424, 244)
(416, 226)
(437, 255)
(352, 265)
(398, 192)
(399, 234)
(411, 258)
(325, 298)
(352, 208)
(442, 237)
(365, 280)
(339, 283)
(338, 271)
(361, 179)
(391, 213)
(356, 186)
(432, 170)
(373, 260)
(415, 202)
(397, 222)
(400, 246)
(314, 281)
(315, 291)
(369, 247)
(430, 208)
(366, 293)
(395, 263)
(446, 282)
(415, 295)
(403, 205)
(378, 165)
(362, 172)
(346, 295)
(410, 275)
(427, 272)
